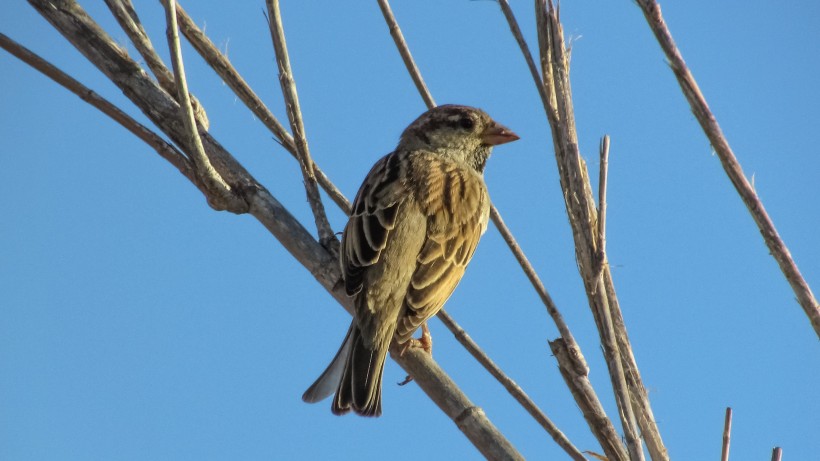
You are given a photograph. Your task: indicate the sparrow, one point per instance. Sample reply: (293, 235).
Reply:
(415, 224)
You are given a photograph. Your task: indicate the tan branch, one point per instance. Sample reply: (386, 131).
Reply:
(727, 434)
(511, 387)
(223, 67)
(326, 235)
(652, 11)
(575, 371)
(163, 148)
(404, 51)
(126, 16)
(220, 196)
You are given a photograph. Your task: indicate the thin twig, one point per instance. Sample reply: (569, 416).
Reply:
(727, 434)
(163, 148)
(618, 378)
(129, 21)
(326, 236)
(575, 371)
(223, 67)
(535, 280)
(404, 50)
(511, 386)
(525, 50)
(220, 190)
(602, 179)
(611, 348)
(777, 453)
(652, 11)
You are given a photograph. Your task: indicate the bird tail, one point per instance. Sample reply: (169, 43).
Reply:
(355, 374)
(360, 388)
(329, 381)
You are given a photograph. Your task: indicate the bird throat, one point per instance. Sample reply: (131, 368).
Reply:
(479, 158)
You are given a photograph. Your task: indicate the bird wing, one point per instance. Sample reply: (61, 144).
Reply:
(373, 217)
(457, 206)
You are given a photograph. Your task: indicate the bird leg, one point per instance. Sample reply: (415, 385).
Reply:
(425, 342)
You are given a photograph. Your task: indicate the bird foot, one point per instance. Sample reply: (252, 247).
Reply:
(425, 342)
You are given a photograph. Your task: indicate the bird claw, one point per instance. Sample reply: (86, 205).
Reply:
(425, 342)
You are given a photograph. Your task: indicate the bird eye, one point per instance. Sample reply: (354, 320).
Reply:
(467, 123)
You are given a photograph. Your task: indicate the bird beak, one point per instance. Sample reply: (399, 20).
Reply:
(497, 133)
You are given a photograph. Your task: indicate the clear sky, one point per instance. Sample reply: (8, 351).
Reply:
(137, 323)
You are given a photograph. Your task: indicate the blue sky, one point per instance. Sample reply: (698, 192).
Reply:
(137, 323)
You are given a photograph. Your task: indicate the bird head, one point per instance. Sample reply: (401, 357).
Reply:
(461, 133)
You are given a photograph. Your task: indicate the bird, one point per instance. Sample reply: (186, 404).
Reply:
(414, 226)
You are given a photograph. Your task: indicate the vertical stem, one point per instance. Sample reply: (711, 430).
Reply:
(727, 434)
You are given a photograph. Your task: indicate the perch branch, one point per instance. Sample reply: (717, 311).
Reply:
(652, 11)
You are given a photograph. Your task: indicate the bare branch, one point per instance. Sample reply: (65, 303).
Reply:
(126, 16)
(575, 371)
(326, 235)
(727, 433)
(220, 196)
(222, 66)
(404, 51)
(536, 282)
(652, 11)
(602, 179)
(511, 386)
(163, 148)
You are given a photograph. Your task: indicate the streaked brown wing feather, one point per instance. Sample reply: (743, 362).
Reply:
(374, 216)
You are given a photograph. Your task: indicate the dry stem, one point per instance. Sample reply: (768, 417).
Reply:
(220, 197)
(727, 433)
(163, 148)
(222, 66)
(326, 236)
(511, 387)
(129, 21)
(404, 50)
